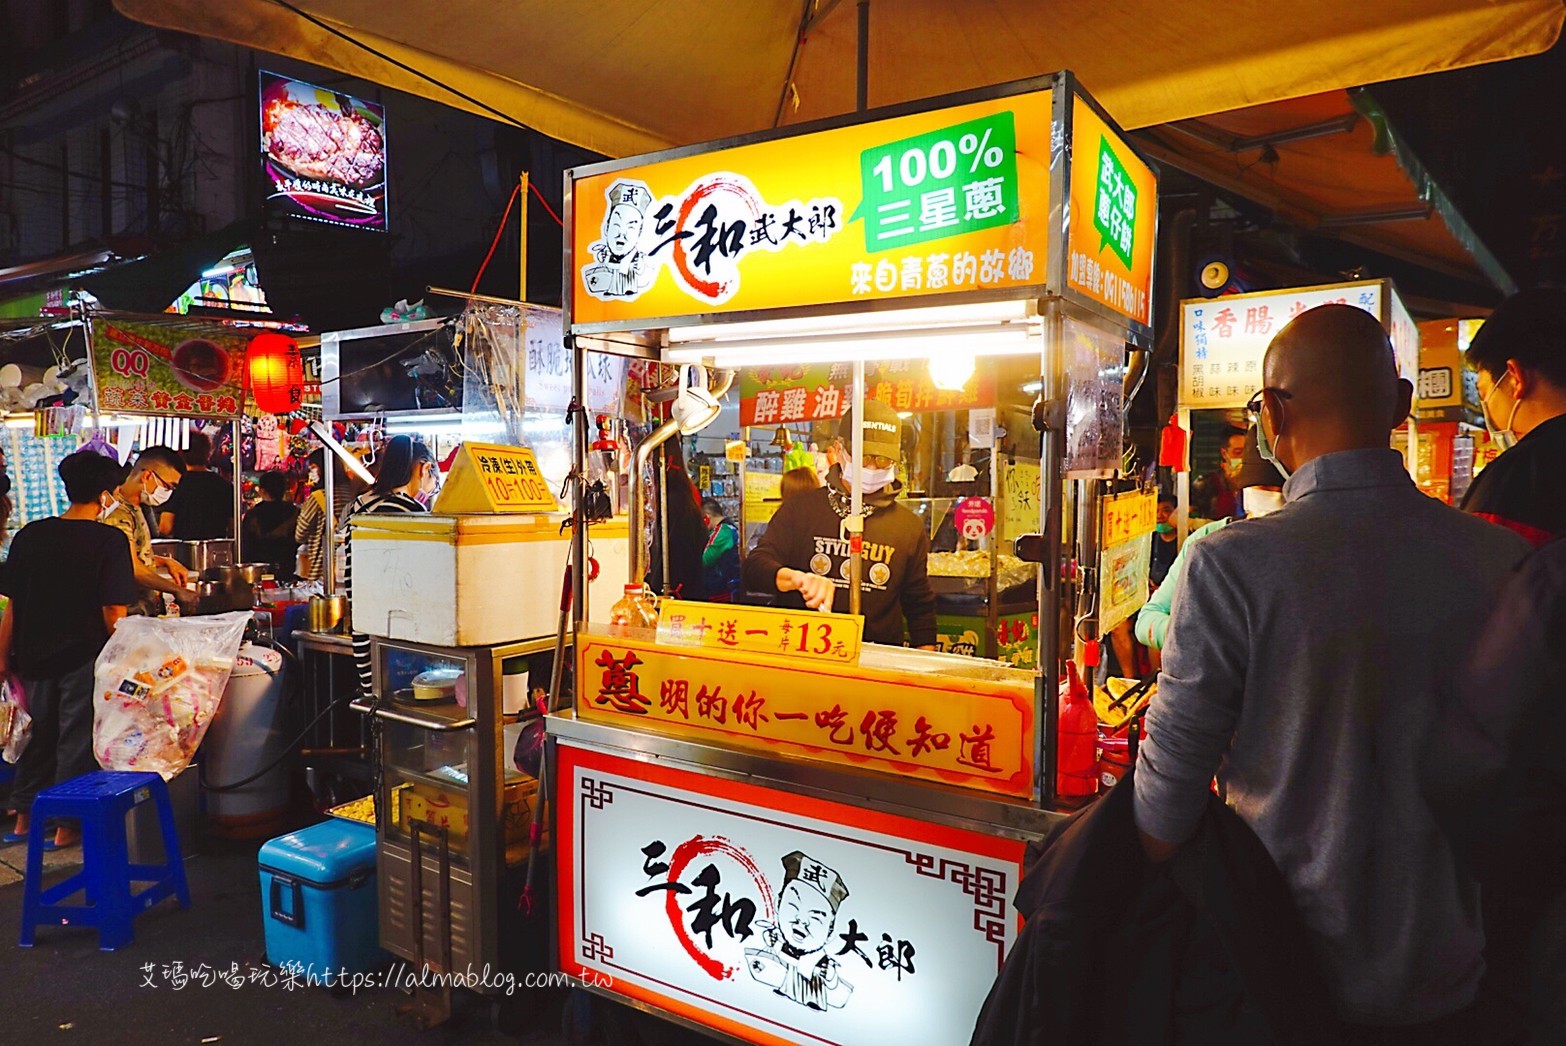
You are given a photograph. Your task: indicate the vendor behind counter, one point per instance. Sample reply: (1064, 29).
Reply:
(804, 553)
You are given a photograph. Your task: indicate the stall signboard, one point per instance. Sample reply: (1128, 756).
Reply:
(1126, 537)
(803, 392)
(489, 477)
(966, 732)
(1223, 340)
(546, 381)
(172, 367)
(1114, 217)
(1128, 516)
(323, 154)
(820, 636)
(774, 917)
(939, 202)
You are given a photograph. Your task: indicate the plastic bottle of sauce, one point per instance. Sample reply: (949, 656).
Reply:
(633, 610)
(1077, 739)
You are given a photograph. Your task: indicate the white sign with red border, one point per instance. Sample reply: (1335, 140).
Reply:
(775, 917)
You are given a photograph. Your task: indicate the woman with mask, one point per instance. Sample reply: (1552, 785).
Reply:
(408, 474)
(804, 553)
(1261, 492)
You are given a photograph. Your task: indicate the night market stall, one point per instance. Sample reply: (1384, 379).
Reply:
(766, 825)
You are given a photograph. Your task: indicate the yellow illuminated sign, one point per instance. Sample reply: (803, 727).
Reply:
(1128, 516)
(813, 635)
(488, 477)
(945, 201)
(1114, 214)
(973, 733)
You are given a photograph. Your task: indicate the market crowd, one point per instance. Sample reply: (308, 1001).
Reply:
(1375, 684)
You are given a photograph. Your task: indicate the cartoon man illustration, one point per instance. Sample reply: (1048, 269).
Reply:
(620, 268)
(795, 964)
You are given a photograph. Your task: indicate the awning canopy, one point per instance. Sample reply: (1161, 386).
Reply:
(1332, 164)
(628, 76)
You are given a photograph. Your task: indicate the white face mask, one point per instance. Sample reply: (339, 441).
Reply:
(1502, 434)
(1259, 502)
(870, 480)
(160, 494)
(105, 510)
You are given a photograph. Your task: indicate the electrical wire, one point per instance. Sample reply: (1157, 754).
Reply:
(547, 209)
(510, 202)
(405, 67)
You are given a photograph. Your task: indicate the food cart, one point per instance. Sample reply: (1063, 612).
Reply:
(461, 605)
(765, 827)
(1223, 341)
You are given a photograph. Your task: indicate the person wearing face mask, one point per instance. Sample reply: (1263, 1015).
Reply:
(1217, 494)
(69, 580)
(150, 481)
(1520, 354)
(1261, 493)
(804, 553)
(408, 475)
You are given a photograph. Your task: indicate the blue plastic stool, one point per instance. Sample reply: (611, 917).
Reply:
(101, 800)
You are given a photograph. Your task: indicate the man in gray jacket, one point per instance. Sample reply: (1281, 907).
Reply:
(1303, 665)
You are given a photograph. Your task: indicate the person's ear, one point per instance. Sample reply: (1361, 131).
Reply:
(1405, 402)
(1522, 379)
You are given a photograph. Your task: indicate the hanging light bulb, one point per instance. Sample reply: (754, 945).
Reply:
(950, 371)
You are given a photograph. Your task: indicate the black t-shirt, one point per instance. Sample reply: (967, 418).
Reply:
(1523, 489)
(805, 534)
(1164, 553)
(203, 507)
(268, 535)
(60, 575)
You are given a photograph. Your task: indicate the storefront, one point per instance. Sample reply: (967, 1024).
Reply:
(1223, 343)
(766, 826)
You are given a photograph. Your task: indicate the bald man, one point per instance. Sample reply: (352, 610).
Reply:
(1304, 653)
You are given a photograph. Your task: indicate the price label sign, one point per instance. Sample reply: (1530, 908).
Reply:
(487, 477)
(959, 179)
(814, 635)
(1128, 517)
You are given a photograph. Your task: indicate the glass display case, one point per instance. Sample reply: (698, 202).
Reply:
(452, 811)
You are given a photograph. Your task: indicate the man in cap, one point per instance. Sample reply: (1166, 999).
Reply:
(795, 963)
(804, 551)
(1300, 668)
(1520, 354)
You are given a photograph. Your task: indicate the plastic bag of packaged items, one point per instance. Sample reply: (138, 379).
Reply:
(159, 682)
(16, 726)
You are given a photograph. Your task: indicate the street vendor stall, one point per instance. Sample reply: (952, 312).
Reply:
(766, 826)
(1223, 342)
(1451, 442)
(461, 606)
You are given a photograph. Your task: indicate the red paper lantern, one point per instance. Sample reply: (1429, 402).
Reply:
(276, 373)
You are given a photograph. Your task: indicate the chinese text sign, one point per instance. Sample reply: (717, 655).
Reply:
(948, 200)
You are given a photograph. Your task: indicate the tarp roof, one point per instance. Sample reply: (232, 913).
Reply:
(629, 76)
(1331, 163)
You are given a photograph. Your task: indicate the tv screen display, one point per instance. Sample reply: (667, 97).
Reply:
(323, 154)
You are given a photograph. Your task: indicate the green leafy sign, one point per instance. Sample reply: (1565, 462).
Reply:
(947, 182)
(1114, 210)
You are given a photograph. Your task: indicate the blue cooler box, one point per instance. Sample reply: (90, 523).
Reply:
(318, 899)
